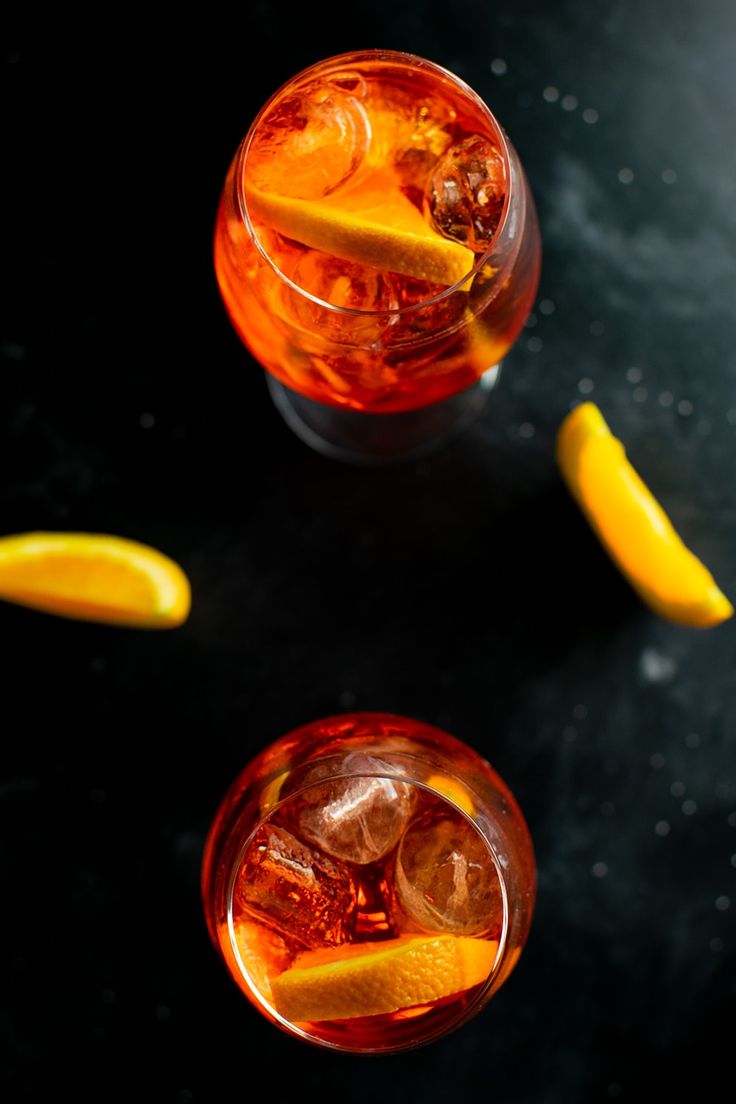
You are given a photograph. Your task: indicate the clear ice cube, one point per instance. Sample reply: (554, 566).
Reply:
(445, 878)
(466, 192)
(346, 285)
(357, 819)
(297, 891)
(310, 143)
(410, 130)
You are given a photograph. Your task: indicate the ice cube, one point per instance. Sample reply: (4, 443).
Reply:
(466, 192)
(345, 284)
(445, 878)
(348, 286)
(297, 891)
(411, 128)
(310, 143)
(358, 819)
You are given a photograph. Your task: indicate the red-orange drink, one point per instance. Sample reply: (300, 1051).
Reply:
(369, 882)
(376, 244)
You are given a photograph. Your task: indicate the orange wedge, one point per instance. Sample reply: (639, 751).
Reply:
(369, 979)
(374, 225)
(454, 790)
(632, 526)
(93, 577)
(259, 949)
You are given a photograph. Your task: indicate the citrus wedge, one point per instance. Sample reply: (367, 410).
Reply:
(374, 225)
(93, 577)
(259, 949)
(369, 979)
(454, 790)
(632, 526)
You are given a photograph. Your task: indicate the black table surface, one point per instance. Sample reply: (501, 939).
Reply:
(466, 590)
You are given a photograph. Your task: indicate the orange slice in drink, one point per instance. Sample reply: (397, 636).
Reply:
(369, 979)
(94, 577)
(453, 789)
(373, 224)
(632, 526)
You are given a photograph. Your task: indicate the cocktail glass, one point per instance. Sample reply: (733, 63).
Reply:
(369, 882)
(377, 249)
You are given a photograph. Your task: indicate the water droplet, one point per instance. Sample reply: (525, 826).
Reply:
(586, 386)
(654, 666)
(499, 67)
(599, 870)
(551, 94)
(669, 176)
(662, 828)
(634, 375)
(625, 175)
(590, 115)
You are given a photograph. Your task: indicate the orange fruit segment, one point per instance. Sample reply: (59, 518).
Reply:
(369, 979)
(374, 224)
(94, 577)
(454, 790)
(258, 946)
(632, 526)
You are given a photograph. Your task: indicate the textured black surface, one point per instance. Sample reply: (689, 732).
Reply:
(466, 590)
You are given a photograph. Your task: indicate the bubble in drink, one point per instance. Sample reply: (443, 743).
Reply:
(310, 143)
(466, 192)
(297, 891)
(358, 819)
(445, 878)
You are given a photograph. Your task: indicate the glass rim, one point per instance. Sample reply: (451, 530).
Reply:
(465, 1013)
(354, 57)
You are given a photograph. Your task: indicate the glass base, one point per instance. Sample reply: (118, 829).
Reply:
(375, 439)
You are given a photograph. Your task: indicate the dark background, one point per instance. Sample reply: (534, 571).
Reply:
(465, 590)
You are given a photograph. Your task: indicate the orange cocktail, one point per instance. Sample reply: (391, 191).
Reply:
(369, 882)
(376, 244)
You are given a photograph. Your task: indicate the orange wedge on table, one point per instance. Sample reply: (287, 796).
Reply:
(369, 979)
(94, 577)
(632, 526)
(374, 224)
